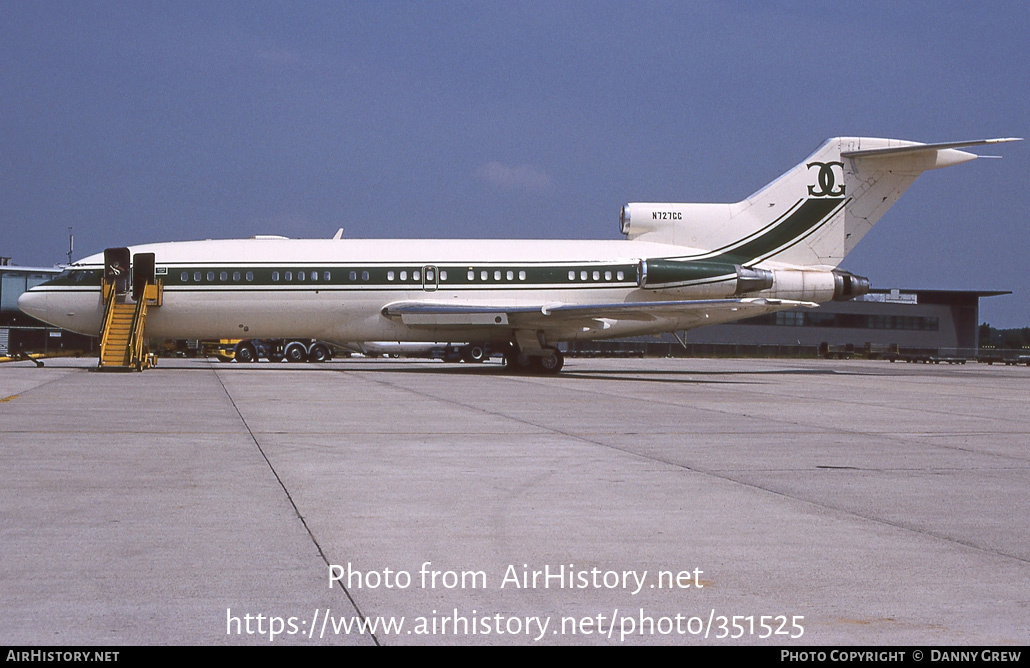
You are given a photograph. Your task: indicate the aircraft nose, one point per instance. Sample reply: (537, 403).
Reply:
(34, 303)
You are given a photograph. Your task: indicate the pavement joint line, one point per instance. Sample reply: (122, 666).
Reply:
(712, 473)
(41, 385)
(289, 497)
(795, 427)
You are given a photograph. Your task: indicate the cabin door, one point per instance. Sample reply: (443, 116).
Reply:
(142, 273)
(116, 268)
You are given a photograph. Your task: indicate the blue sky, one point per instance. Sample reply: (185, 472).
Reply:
(138, 121)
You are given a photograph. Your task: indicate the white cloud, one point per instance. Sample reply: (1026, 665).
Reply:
(526, 178)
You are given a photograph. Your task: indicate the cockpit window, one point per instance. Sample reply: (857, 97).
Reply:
(81, 277)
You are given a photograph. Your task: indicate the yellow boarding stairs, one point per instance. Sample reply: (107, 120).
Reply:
(123, 347)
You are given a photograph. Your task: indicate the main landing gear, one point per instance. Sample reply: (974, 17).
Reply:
(518, 361)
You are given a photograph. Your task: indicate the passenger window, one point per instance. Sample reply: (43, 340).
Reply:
(326, 276)
(443, 275)
(389, 275)
(582, 275)
(364, 275)
(250, 276)
(416, 275)
(288, 275)
(484, 275)
(235, 275)
(620, 276)
(300, 275)
(497, 275)
(510, 275)
(597, 276)
(522, 275)
(354, 276)
(430, 276)
(404, 275)
(607, 275)
(472, 275)
(196, 276)
(210, 275)
(224, 276)
(184, 276)
(572, 275)
(275, 275)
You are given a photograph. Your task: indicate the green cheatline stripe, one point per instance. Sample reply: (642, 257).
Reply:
(797, 226)
(351, 276)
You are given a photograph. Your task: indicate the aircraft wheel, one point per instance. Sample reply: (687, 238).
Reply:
(517, 361)
(553, 363)
(319, 353)
(475, 354)
(295, 353)
(245, 353)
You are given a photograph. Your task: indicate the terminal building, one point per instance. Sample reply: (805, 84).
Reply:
(22, 333)
(940, 322)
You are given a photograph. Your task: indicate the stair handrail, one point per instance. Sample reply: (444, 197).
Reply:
(110, 296)
(139, 318)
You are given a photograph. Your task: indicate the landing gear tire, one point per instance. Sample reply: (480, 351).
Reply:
(319, 353)
(551, 364)
(295, 353)
(516, 361)
(475, 354)
(245, 353)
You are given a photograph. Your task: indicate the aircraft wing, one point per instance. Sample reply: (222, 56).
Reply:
(684, 313)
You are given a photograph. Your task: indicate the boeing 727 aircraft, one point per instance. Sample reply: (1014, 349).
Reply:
(681, 266)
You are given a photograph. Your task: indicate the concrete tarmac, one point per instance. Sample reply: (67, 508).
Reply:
(722, 502)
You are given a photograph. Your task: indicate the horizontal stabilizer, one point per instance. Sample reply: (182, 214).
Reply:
(919, 148)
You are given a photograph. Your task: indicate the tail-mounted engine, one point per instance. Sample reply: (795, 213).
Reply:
(731, 279)
(848, 286)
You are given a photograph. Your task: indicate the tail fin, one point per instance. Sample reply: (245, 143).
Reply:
(813, 215)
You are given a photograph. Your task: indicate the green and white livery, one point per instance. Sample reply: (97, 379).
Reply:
(681, 266)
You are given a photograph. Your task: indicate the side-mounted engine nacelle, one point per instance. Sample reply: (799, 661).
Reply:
(848, 286)
(702, 277)
(817, 285)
